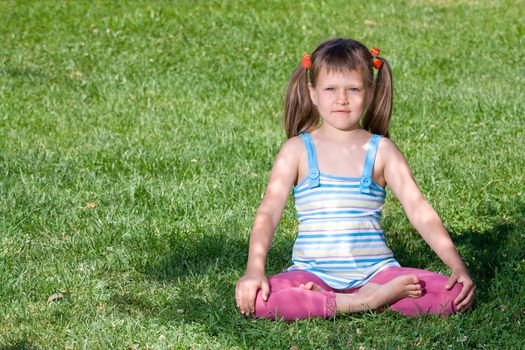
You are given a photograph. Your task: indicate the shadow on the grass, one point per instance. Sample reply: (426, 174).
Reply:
(205, 267)
(200, 254)
(20, 345)
(24, 73)
(485, 252)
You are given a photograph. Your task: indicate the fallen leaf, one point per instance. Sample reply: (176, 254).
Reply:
(76, 75)
(369, 22)
(90, 205)
(55, 297)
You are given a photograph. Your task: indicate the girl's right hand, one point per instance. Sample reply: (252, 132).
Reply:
(246, 290)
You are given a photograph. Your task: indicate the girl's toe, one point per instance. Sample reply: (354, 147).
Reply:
(413, 279)
(414, 287)
(414, 293)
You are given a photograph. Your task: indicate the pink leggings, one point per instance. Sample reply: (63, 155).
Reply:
(290, 302)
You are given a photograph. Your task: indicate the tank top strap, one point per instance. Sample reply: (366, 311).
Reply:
(366, 177)
(313, 169)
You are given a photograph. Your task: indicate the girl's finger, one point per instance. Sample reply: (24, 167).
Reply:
(237, 297)
(251, 301)
(451, 281)
(464, 292)
(463, 305)
(245, 306)
(468, 300)
(471, 300)
(241, 301)
(467, 306)
(265, 289)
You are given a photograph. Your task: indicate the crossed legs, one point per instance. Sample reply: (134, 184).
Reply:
(300, 294)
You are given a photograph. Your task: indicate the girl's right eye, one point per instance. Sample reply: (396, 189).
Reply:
(329, 89)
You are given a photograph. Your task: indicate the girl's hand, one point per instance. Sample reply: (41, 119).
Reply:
(466, 296)
(246, 291)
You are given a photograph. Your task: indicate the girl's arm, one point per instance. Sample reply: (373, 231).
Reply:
(282, 178)
(425, 220)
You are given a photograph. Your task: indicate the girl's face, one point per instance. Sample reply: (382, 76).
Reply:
(340, 98)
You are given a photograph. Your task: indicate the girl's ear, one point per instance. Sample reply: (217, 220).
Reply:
(313, 95)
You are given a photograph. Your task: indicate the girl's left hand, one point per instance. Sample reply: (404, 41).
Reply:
(466, 296)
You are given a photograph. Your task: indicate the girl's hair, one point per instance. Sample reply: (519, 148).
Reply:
(339, 55)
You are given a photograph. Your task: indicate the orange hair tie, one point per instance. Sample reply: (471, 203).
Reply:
(306, 61)
(376, 62)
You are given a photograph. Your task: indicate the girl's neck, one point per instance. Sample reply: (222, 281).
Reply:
(338, 136)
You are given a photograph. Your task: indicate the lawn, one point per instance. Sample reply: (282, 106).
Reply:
(136, 139)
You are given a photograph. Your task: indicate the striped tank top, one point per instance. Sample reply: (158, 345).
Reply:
(340, 239)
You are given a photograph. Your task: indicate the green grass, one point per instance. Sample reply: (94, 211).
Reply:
(136, 140)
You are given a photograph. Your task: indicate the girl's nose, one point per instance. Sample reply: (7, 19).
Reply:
(342, 98)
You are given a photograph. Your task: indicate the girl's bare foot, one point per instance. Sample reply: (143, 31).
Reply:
(372, 296)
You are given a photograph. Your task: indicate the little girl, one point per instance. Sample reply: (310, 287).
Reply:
(338, 160)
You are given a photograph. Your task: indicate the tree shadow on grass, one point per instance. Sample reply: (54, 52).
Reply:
(204, 268)
(20, 345)
(485, 252)
(198, 254)
(488, 252)
(24, 73)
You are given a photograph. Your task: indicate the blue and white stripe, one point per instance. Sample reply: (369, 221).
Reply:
(340, 237)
